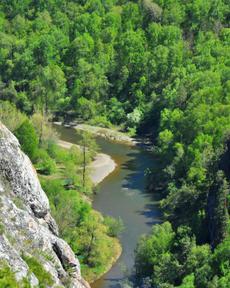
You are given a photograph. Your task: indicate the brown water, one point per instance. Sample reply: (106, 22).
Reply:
(122, 194)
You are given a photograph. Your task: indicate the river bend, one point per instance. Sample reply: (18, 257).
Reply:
(122, 194)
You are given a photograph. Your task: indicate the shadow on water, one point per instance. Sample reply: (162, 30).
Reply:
(151, 214)
(136, 165)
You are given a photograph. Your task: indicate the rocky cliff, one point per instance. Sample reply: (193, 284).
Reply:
(27, 230)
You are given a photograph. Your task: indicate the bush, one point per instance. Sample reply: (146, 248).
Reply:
(67, 206)
(46, 133)
(44, 164)
(100, 121)
(116, 113)
(131, 131)
(28, 138)
(115, 226)
(10, 116)
(52, 149)
(134, 118)
(86, 108)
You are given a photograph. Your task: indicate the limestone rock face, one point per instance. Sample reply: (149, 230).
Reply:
(27, 227)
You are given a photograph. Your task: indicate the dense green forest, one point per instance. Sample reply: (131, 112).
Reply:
(156, 67)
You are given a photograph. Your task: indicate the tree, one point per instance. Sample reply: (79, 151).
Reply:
(86, 108)
(115, 226)
(218, 209)
(188, 282)
(153, 10)
(46, 134)
(89, 149)
(48, 87)
(134, 118)
(10, 116)
(150, 249)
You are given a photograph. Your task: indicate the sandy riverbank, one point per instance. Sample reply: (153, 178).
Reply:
(107, 133)
(101, 166)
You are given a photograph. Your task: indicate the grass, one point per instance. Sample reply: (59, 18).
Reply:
(7, 278)
(2, 229)
(18, 202)
(45, 279)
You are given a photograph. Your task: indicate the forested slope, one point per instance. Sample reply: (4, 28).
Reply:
(160, 67)
(70, 56)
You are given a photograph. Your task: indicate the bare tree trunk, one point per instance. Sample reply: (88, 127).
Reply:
(84, 165)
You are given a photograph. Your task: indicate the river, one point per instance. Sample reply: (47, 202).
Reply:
(122, 194)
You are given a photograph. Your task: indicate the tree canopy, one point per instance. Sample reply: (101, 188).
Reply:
(152, 67)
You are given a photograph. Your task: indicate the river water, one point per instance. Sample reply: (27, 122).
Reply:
(122, 194)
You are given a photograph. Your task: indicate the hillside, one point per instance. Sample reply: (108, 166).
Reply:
(158, 69)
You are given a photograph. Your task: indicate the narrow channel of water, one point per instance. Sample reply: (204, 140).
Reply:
(122, 194)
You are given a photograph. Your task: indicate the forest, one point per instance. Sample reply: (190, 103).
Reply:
(155, 68)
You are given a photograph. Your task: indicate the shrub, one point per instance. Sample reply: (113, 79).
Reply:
(134, 118)
(10, 116)
(46, 133)
(45, 165)
(115, 226)
(116, 113)
(52, 149)
(28, 138)
(100, 121)
(86, 108)
(131, 131)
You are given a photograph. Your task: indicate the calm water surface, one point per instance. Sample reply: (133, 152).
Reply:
(122, 194)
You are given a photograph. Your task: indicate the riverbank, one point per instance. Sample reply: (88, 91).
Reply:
(101, 166)
(106, 133)
(117, 250)
(122, 195)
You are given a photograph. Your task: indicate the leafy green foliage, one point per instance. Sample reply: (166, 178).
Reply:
(115, 226)
(10, 115)
(160, 67)
(174, 258)
(102, 51)
(44, 163)
(60, 171)
(7, 278)
(84, 229)
(28, 138)
(39, 271)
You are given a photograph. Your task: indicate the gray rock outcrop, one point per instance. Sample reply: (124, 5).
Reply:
(27, 227)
